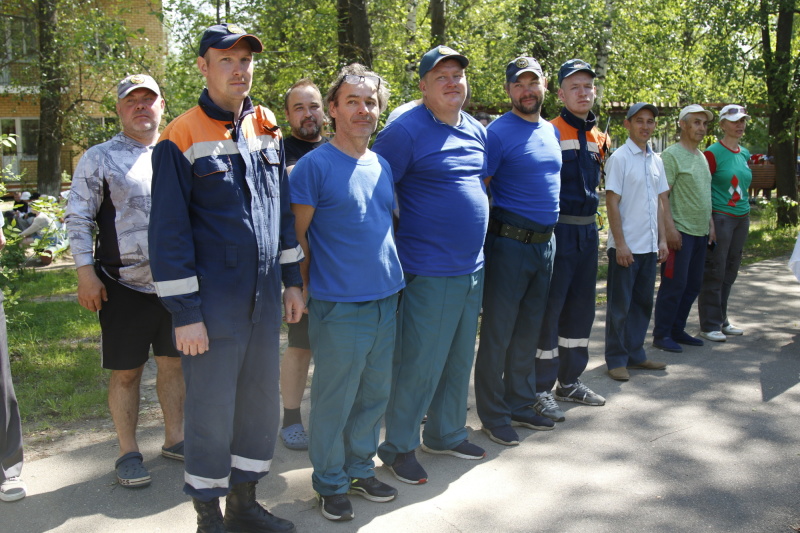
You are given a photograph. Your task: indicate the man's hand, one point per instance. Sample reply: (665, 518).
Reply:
(663, 251)
(674, 241)
(624, 255)
(192, 339)
(293, 304)
(91, 291)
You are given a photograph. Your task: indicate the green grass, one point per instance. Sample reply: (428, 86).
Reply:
(38, 284)
(55, 362)
(765, 241)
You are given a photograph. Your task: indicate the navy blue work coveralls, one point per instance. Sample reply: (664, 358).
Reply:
(564, 339)
(221, 238)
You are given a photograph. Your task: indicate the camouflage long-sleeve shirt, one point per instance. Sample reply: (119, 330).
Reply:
(111, 192)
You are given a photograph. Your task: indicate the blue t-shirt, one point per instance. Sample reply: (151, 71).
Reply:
(525, 165)
(438, 172)
(353, 255)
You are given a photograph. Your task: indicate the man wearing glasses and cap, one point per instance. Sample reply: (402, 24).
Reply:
(110, 193)
(221, 238)
(438, 158)
(564, 342)
(524, 167)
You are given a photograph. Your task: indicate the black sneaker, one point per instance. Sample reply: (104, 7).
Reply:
(373, 489)
(335, 507)
(533, 420)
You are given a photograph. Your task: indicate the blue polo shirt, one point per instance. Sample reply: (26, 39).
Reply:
(525, 165)
(438, 171)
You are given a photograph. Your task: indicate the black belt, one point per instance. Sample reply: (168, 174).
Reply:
(518, 234)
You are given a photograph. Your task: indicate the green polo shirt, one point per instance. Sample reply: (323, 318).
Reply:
(690, 183)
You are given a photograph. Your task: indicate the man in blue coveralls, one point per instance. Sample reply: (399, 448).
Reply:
(438, 159)
(342, 196)
(221, 238)
(524, 166)
(564, 341)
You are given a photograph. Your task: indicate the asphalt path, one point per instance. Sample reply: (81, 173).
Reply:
(710, 444)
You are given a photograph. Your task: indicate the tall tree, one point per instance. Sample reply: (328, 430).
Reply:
(355, 41)
(438, 22)
(51, 87)
(783, 87)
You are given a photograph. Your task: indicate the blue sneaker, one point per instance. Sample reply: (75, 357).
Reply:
(533, 421)
(504, 435)
(685, 338)
(667, 344)
(465, 450)
(407, 469)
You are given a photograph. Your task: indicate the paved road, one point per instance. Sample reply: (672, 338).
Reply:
(709, 445)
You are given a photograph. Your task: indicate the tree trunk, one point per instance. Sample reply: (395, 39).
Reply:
(779, 66)
(360, 30)
(438, 22)
(603, 51)
(50, 89)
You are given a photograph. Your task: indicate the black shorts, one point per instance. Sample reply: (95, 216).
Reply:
(132, 321)
(298, 334)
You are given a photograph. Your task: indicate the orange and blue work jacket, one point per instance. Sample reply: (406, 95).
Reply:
(221, 227)
(582, 152)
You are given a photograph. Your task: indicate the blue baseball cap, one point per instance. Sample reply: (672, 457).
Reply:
(225, 36)
(436, 54)
(574, 66)
(521, 65)
(635, 108)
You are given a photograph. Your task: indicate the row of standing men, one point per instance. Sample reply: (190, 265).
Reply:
(219, 235)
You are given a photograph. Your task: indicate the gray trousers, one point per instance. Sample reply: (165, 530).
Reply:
(10, 424)
(722, 267)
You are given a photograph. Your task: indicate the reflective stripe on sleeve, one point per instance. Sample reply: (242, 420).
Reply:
(291, 255)
(176, 287)
(573, 343)
(250, 465)
(206, 482)
(593, 147)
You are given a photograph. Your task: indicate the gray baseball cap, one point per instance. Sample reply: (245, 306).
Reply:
(136, 81)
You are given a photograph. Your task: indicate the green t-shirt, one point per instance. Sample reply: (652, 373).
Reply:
(730, 181)
(690, 183)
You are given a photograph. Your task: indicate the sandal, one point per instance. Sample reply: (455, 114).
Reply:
(173, 452)
(295, 437)
(131, 471)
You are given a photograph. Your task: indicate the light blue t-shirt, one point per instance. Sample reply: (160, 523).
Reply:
(525, 165)
(353, 254)
(438, 172)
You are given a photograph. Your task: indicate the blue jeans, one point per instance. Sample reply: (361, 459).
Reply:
(514, 299)
(353, 345)
(436, 328)
(681, 278)
(630, 304)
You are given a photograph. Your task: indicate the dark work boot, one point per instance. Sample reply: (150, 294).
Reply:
(209, 517)
(243, 514)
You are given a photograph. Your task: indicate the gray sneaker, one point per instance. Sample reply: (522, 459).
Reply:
(579, 393)
(546, 406)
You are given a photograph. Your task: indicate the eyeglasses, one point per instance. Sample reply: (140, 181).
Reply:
(354, 79)
(735, 110)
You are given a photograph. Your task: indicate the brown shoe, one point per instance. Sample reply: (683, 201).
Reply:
(647, 364)
(619, 374)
